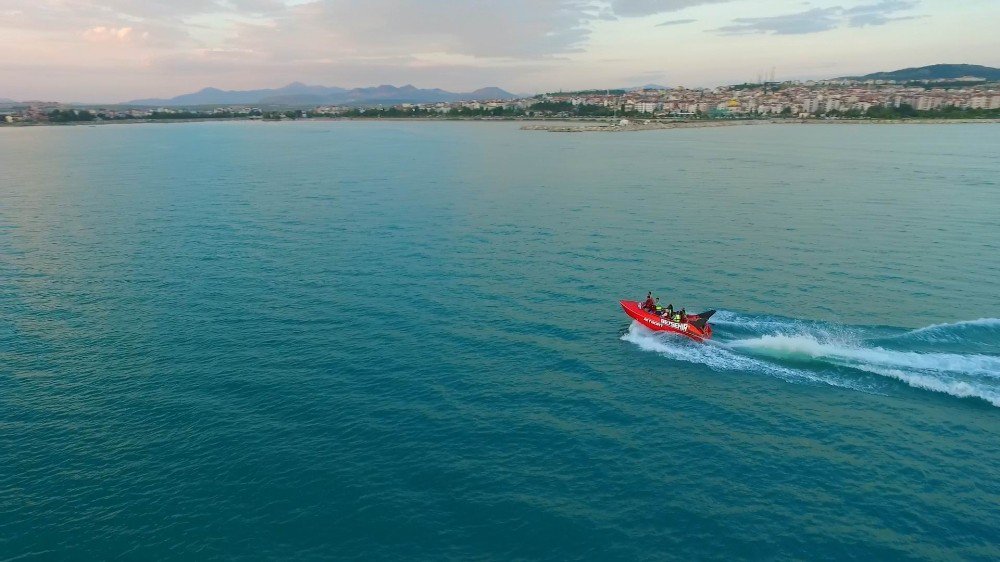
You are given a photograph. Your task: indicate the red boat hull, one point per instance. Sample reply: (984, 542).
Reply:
(658, 324)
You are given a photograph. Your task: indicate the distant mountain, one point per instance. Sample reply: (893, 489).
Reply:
(215, 96)
(935, 72)
(7, 100)
(491, 93)
(298, 94)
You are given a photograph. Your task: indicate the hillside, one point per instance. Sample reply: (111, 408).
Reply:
(935, 72)
(298, 94)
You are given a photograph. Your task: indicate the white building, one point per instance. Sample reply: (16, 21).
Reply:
(647, 106)
(926, 103)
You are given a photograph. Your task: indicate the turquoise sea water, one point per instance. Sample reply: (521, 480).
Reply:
(360, 340)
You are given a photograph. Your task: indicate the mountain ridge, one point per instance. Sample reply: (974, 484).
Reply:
(298, 93)
(934, 72)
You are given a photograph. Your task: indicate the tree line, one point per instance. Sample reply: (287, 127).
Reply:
(540, 109)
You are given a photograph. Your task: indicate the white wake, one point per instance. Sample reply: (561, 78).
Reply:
(961, 375)
(718, 357)
(802, 350)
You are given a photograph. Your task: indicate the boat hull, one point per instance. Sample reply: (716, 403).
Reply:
(656, 323)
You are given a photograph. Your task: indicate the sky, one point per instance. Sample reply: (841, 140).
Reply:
(117, 50)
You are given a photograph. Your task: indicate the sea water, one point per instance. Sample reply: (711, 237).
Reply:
(402, 340)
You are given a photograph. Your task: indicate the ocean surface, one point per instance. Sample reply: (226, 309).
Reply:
(402, 340)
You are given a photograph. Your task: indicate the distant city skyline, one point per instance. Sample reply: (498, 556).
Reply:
(115, 50)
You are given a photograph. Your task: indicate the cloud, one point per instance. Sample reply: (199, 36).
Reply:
(64, 23)
(637, 8)
(186, 44)
(102, 34)
(310, 31)
(176, 10)
(365, 29)
(675, 22)
(818, 20)
(880, 13)
(811, 21)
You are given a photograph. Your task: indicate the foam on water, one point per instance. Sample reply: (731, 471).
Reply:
(796, 349)
(808, 346)
(758, 323)
(719, 357)
(959, 375)
(986, 322)
(953, 387)
(989, 327)
(736, 324)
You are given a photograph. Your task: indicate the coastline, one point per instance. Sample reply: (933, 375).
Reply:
(552, 125)
(21, 124)
(653, 126)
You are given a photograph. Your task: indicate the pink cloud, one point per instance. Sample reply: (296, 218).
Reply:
(103, 34)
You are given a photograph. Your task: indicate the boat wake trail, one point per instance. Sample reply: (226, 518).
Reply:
(719, 357)
(979, 334)
(961, 359)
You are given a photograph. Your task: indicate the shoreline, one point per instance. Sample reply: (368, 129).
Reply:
(553, 125)
(653, 126)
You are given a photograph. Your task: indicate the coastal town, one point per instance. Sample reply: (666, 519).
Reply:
(828, 99)
(797, 99)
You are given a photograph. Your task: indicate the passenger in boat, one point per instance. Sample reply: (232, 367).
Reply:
(656, 306)
(649, 304)
(676, 317)
(683, 315)
(669, 313)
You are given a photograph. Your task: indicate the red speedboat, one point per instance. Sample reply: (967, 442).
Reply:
(696, 327)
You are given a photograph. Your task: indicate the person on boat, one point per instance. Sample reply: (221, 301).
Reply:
(683, 315)
(670, 311)
(649, 304)
(656, 306)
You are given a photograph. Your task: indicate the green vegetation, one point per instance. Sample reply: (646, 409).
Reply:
(946, 85)
(906, 111)
(487, 112)
(193, 115)
(539, 109)
(554, 106)
(594, 111)
(766, 86)
(585, 93)
(959, 113)
(405, 112)
(70, 115)
(935, 73)
(543, 108)
(846, 114)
